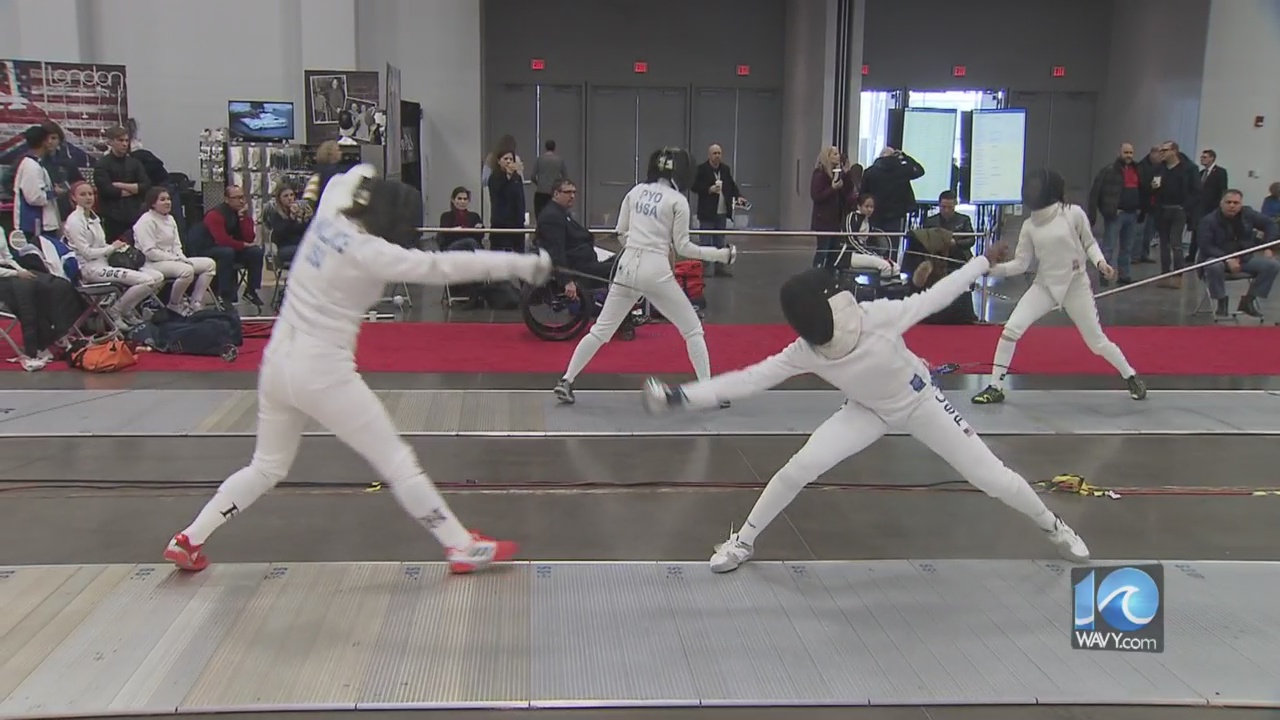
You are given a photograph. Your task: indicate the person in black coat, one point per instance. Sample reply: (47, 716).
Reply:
(1230, 229)
(717, 193)
(469, 235)
(506, 195)
(889, 180)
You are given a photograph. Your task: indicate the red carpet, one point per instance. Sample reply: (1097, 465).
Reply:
(658, 349)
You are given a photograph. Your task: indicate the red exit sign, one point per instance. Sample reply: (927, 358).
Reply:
(866, 69)
(958, 71)
(640, 68)
(537, 64)
(744, 70)
(1059, 71)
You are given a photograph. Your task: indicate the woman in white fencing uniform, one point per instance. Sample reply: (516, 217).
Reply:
(354, 247)
(653, 219)
(1059, 236)
(156, 235)
(84, 233)
(858, 348)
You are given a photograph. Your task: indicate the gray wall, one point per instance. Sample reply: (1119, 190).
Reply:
(1003, 44)
(1154, 77)
(597, 41)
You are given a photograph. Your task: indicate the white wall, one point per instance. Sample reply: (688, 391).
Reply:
(1240, 60)
(437, 46)
(1152, 89)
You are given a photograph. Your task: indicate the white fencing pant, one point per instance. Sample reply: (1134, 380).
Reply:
(935, 422)
(1079, 306)
(304, 378)
(645, 274)
(142, 283)
(182, 273)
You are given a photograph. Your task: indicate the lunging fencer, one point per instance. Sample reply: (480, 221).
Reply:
(858, 348)
(1060, 237)
(356, 244)
(653, 219)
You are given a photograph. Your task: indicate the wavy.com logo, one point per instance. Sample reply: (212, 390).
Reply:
(1118, 608)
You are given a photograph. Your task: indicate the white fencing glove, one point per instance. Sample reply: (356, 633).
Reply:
(660, 397)
(536, 269)
(732, 251)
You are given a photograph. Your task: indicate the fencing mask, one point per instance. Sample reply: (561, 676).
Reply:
(389, 209)
(822, 314)
(1042, 188)
(671, 163)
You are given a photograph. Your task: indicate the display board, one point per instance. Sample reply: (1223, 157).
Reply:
(998, 156)
(393, 141)
(341, 103)
(84, 99)
(929, 136)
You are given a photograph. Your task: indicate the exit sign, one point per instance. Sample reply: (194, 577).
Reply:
(744, 70)
(1059, 71)
(958, 71)
(537, 64)
(866, 69)
(640, 68)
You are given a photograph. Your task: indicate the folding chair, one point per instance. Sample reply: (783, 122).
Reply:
(1206, 304)
(98, 297)
(8, 324)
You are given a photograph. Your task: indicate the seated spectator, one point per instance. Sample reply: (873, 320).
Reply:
(1230, 229)
(1271, 204)
(925, 272)
(287, 218)
(234, 245)
(122, 184)
(156, 235)
(103, 262)
(863, 248)
(568, 243)
(46, 304)
(461, 217)
(949, 219)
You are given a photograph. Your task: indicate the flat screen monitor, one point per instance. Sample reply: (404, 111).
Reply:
(998, 158)
(255, 121)
(929, 136)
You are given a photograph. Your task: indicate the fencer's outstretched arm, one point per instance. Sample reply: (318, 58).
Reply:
(393, 263)
(1022, 256)
(686, 247)
(751, 380)
(914, 308)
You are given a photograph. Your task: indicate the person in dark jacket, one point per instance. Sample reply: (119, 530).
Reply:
(834, 191)
(287, 220)
(63, 166)
(1116, 195)
(470, 226)
(121, 182)
(1213, 185)
(1175, 188)
(1230, 229)
(717, 193)
(1146, 214)
(889, 180)
(506, 200)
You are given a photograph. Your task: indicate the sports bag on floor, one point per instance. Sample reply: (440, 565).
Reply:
(105, 357)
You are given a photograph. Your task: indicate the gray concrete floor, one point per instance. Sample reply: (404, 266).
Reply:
(657, 498)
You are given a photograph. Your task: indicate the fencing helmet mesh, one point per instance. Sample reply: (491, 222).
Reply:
(1042, 188)
(389, 209)
(671, 163)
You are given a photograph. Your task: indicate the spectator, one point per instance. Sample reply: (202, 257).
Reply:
(717, 193)
(1147, 214)
(234, 245)
(46, 305)
(328, 163)
(287, 221)
(94, 254)
(1213, 184)
(1176, 189)
(834, 191)
(1230, 229)
(63, 167)
(506, 196)
(889, 180)
(1117, 196)
(122, 185)
(35, 206)
(547, 169)
(948, 219)
(1271, 203)
(156, 235)
(467, 236)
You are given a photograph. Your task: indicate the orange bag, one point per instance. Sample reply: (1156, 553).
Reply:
(107, 357)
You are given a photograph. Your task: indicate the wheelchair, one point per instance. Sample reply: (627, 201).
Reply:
(553, 316)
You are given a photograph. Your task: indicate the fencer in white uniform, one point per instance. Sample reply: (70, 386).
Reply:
(1057, 235)
(653, 219)
(84, 233)
(350, 252)
(858, 348)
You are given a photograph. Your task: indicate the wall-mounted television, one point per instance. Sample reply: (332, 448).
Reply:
(254, 121)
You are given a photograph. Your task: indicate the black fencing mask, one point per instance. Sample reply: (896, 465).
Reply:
(671, 163)
(391, 210)
(1042, 188)
(806, 303)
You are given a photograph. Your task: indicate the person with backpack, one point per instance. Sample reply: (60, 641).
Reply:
(357, 243)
